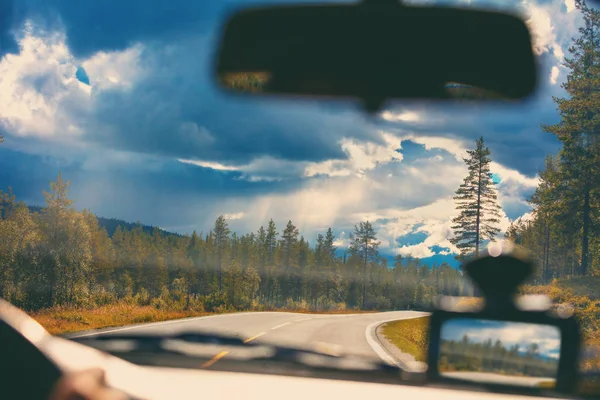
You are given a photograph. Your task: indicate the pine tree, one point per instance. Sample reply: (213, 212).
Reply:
(271, 242)
(221, 236)
(550, 215)
(329, 248)
(476, 199)
(579, 131)
(364, 244)
(289, 244)
(289, 262)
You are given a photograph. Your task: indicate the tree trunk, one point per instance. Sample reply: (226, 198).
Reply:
(546, 275)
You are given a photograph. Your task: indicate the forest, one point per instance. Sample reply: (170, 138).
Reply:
(563, 231)
(495, 357)
(58, 256)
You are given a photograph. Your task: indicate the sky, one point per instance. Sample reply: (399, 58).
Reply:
(510, 333)
(119, 96)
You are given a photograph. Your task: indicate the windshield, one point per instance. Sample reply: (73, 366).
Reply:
(135, 191)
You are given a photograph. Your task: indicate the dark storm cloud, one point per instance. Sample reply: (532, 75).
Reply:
(172, 110)
(513, 132)
(170, 195)
(176, 110)
(110, 25)
(8, 22)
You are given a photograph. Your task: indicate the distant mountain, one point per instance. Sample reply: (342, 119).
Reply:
(111, 224)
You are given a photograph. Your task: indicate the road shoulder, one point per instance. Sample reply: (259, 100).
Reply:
(403, 360)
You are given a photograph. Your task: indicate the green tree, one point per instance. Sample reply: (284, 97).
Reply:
(579, 132)
(221, 236)
(476, 199)
(289, 260)
(364, 244)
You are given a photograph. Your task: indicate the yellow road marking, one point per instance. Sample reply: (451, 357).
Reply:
(224, 353)
(254, 337)
(215, 359)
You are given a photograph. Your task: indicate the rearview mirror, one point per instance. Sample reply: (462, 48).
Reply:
(375, 52)
(505, 344)
(489, 351)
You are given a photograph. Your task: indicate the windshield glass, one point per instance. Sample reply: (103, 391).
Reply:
(135, 191)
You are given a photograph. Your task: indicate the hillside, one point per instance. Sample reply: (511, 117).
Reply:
(111, 224)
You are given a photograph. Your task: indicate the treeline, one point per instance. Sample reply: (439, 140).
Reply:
(495, 357)
(564, 233)
(111, 224)
(61, 257)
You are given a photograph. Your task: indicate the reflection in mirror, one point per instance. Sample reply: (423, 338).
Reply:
(245, 81)
(499, 352)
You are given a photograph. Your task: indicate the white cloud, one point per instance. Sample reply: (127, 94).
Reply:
(114, 69)
(34, 83)
(434, 219)
(406, 116)
(40, 95)
(260, 169)
(457, 147)
(399, 198)
(233, 216)
(316, 205)
(362, 157)
(212, 165)
(341, 241)
(554, 75)
(543, 30)
(570, 4)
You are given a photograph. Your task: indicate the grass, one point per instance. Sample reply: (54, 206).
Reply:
(69, 320)
(547, 385)
(409, 335)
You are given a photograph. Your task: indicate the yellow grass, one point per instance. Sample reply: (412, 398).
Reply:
(409, 335)
(68, 320)
(547, 385)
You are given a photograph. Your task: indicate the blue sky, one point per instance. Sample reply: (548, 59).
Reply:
(118, 96)
(510, 333)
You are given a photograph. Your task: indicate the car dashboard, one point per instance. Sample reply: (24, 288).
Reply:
(160, 383)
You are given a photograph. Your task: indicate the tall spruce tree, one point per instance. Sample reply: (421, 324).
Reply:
(365, 245)
(221, 235)
(476, 199)
(579, 132)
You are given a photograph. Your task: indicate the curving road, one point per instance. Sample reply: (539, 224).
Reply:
(345, 333)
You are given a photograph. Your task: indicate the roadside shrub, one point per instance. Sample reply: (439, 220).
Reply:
(293, 305)
(101, 296)
(142, 297)
(214, 301)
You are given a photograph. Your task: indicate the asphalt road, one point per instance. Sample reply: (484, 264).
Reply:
(485, 377)
(346, 334)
